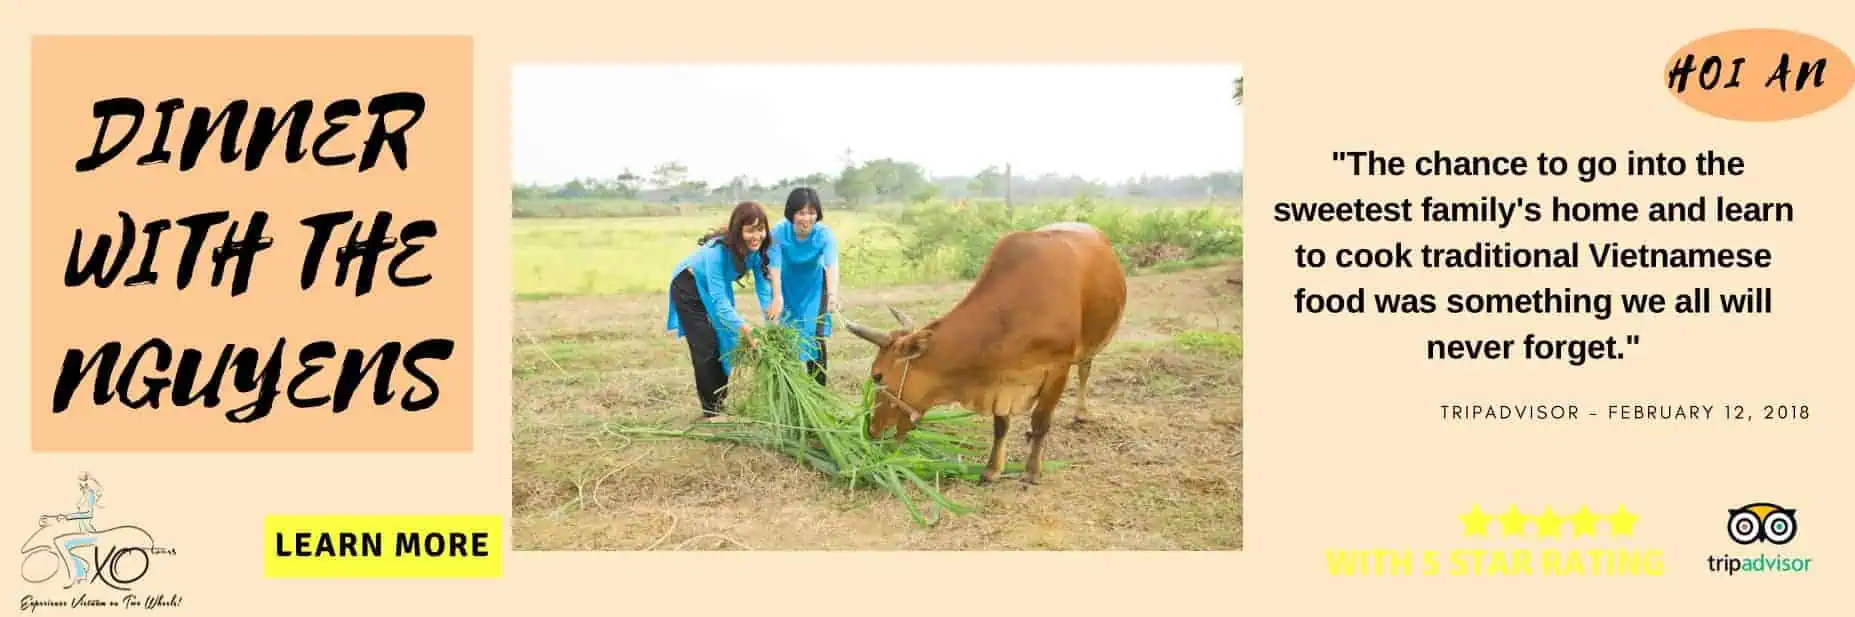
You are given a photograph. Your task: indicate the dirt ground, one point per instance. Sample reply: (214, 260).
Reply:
(1160, 468)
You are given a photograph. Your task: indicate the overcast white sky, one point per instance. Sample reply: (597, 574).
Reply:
(1106, 122)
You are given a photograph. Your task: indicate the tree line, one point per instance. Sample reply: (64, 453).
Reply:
(884, 180)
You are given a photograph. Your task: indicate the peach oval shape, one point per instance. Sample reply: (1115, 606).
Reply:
(1823, 71)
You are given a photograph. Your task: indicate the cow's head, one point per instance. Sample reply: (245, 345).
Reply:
(899, 389)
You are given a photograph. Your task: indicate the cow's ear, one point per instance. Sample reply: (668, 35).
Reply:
(913, 344)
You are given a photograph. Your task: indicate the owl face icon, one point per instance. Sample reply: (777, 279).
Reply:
(1761, 522)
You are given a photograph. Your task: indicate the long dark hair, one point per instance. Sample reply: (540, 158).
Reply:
(800, 198)
(745, 214)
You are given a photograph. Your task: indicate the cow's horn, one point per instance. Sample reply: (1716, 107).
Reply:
(903, 319)
(880, 339)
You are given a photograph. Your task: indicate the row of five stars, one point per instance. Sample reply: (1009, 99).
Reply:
(1548, 524)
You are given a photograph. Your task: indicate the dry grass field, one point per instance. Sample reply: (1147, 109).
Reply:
(1159, 469)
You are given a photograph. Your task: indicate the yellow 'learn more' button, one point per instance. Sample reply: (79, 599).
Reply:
(383, 546)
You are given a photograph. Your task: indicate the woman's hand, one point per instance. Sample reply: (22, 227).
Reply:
(772, 313)
(747, 336)
(835, 305)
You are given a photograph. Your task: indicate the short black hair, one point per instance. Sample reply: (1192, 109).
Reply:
(801, 197)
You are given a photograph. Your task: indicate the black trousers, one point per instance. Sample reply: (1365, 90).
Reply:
(817, 367)
(704, 347)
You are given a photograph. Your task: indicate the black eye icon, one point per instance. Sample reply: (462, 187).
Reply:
(1780, 526)
(1743, 527)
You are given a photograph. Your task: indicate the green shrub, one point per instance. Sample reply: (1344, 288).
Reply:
(957, 238)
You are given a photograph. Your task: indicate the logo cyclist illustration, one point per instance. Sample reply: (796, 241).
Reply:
(80, 551)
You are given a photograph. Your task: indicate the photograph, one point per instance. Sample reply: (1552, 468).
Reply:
(877, 307)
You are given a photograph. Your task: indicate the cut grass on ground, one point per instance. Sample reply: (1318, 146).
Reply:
(1160, 468)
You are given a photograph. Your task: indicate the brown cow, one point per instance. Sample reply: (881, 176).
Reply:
(1046, 300)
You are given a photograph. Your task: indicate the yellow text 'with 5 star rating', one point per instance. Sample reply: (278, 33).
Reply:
(1556, 543)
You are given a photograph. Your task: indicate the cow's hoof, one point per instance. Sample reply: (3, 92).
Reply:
(1029, 481)
(985, 479)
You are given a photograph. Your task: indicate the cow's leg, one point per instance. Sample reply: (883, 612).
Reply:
(1082, 391)
(1040, 422)
(1001, 426)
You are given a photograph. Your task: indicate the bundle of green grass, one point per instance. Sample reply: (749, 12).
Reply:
(780, 408)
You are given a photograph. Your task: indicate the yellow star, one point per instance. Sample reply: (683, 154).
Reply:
(1623, 522)
(1513, 523)
(1548, 523)
(1475, 523)
(1584, 522)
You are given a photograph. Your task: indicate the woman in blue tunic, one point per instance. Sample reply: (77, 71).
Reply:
(807, 262)
(702, 299)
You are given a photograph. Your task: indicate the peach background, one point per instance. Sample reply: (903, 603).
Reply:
(75, 72)
(1345, 448)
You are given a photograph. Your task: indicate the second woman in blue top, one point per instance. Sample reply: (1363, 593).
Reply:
(807, 263)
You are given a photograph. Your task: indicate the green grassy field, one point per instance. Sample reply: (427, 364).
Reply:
(1161, 468)
(560, 257)
(599, 256)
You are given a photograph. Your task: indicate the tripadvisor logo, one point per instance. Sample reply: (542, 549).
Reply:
(83, 565)
(1754, 524)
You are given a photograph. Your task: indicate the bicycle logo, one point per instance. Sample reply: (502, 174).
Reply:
(68, 544)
